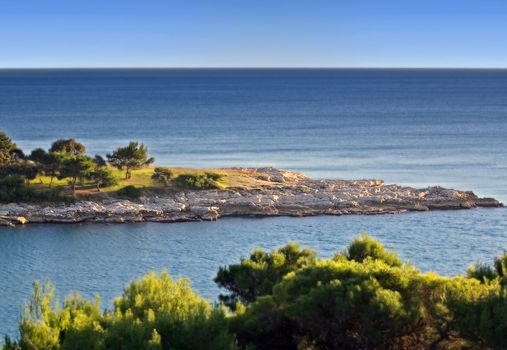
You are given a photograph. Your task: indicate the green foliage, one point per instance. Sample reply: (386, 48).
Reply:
(76, 168)
(9, 152)
(49, 163)
(13, 189)
(500, 264)
(133, 156)
(38, 155)
(162, 175)
(206, 181)
(484, 272)
(364, 247)
(67, 147)
(21, 168)
(180, 317)
(154, 312)
(214, 176)
(129, 192)
(99, 161)
(481, 272)
(364, 298)
(257, 275)
(345, 305)
(478, 310)
(103, 177)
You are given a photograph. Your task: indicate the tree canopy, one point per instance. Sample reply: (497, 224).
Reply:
(9, 151)
(69, 147)
(133, 156)
(76, 168)
(363, 298)
(367, 298)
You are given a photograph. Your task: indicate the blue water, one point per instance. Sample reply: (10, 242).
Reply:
(416, 127)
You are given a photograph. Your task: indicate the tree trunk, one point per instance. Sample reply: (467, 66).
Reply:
(74, 186)
(51, 181)
(127, 174)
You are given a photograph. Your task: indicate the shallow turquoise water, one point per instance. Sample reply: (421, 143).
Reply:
(102, 258)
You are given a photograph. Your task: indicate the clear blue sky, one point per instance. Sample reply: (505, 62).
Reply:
(253, 33)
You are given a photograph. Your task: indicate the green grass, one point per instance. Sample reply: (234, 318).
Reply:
(141, 178)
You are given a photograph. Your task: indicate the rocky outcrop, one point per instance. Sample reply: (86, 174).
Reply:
(278, 193)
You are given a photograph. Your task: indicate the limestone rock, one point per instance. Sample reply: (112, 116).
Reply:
(284, 193)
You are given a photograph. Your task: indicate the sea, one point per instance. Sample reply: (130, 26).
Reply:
(416, 127)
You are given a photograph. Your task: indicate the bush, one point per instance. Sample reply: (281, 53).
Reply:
(13, 189)
(367, 298)
(25, 169)
(206, 181)
(364, 298)
(129, 192)
(154, 312)
(162, 175)
(257, 275)
(365, 247)
(103, 177)
(481, 272)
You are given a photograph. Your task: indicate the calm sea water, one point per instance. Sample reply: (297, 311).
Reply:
(416, 127)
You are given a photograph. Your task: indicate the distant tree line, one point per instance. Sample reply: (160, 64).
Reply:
(365, 297)
(65, 159)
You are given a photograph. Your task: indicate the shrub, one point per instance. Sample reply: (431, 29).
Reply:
(13, 189)
(103, 177)
(99, 161)
(500, 264)
(257, 275)
(481, 272)
(344, 305)
(26, 169)
(206, 181)
(154, 312)
(365, 247)
(162, 175)
(361, 299)
(129, 192)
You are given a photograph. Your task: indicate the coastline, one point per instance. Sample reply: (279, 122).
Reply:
(271, 192)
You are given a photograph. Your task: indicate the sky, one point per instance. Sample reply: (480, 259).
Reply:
(253, 33)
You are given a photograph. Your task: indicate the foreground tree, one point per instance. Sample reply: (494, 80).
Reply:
(153, 313)
(363, 298)
(76, 168)
(134, 156)
(256, 276)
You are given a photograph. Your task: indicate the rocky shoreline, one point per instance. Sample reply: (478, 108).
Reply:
(279, 193)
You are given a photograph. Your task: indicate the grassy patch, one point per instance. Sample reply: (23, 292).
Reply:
(141, 178)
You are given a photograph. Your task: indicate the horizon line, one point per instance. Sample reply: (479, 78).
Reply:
(250, 67)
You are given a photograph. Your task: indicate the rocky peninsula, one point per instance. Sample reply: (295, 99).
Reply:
(258, 192)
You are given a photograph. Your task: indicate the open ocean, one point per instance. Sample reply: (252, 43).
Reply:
(414, 127)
